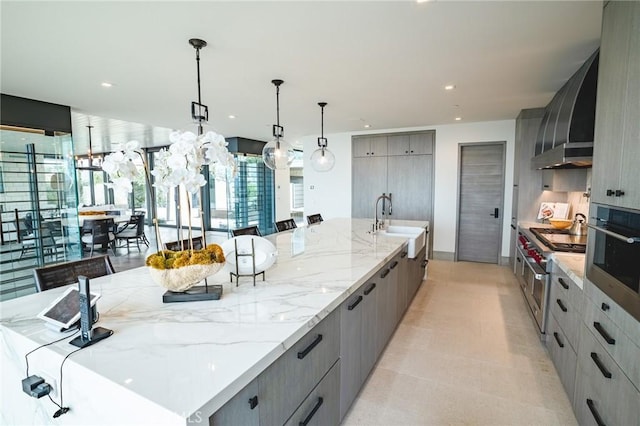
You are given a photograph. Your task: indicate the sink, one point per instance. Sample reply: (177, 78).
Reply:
(415, 235)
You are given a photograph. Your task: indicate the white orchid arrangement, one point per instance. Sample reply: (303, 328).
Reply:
(179, 166)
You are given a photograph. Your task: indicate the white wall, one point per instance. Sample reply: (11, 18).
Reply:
(330, 193)
(282, 194)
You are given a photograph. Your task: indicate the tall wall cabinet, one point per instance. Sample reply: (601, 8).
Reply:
(617, 130)
(400, 164)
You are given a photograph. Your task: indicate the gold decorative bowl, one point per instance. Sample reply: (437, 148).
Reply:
(185, 277)
(561, 223)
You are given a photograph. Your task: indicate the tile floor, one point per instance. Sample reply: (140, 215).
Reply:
(465, 353)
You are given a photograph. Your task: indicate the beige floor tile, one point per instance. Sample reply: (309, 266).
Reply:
(466, 353)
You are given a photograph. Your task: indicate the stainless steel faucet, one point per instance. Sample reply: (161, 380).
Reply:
(377, 225)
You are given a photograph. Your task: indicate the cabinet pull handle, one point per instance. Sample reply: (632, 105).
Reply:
(559, 302)
(370, 289)
(558, 339)
(594, 413)
(610, 340)
(609, 192)
(354, 304)
(404, 254)
(253, 402)
(606, 373)
(309, 348)
(513, 227)
(424, 264)
(604, 306)
(563, 284)
(394, 264)
(316, 407)
(619, 193)
(385, 273)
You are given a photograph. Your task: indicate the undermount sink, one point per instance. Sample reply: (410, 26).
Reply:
(415, 235)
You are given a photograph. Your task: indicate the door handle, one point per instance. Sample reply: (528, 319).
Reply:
(496, 213)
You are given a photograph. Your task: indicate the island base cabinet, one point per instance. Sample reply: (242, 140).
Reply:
(321, 407)
(242, 409)
(287, 382)
(603, 394)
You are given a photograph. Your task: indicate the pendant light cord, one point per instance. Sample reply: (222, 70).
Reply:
(200, 130)
(278, 108)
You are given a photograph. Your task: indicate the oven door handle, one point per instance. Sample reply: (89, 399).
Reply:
(629, 240)
(538, 272)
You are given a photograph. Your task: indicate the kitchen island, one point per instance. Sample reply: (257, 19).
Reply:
(179, 363)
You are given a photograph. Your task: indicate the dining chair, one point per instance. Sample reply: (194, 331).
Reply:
(178, 245)
(50, 243)
(133, 231)
(99, 232)
(314, 218)
(62, 274)
(285, 225)
(250, 230)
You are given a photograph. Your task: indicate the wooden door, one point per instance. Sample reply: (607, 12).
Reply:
(369, 180)
(410, 184)
(480, 197)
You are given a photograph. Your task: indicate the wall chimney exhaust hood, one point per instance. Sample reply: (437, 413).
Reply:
(565, 137)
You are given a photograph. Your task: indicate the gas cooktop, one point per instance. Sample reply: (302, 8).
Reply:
(561, 240)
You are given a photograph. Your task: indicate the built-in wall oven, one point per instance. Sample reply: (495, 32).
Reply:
(530, 268)
(613, 255)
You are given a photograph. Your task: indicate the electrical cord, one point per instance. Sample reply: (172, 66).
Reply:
(62, 408)
(26, 359)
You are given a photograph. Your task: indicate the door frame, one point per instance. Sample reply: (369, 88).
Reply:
(461, 145)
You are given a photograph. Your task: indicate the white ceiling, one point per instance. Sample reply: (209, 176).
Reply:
(378, 63)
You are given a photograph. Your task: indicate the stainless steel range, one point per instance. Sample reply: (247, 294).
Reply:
(561, 240)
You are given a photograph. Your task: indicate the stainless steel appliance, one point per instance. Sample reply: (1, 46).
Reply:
(532, 272)
(561, 239)
(613, 257)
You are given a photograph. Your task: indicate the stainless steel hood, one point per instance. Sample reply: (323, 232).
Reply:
(565, 137)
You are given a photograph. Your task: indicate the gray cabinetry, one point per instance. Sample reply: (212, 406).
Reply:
(370, 146)
(321, 406)
(409, 179)
(242, 409)
(287, 382)
(617, 127)
(387, 305)
(369, 180)
(563, 355)
(351, 340)
(411, 144)
(402, 286)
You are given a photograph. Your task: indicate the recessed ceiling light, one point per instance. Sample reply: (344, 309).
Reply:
(421, 1)
(231, 116)
(458, 118)
(106, 84)
(449, 87)
(366, 126)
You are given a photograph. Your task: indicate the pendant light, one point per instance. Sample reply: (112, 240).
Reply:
(91, 163)
(322, 160)
(199, 111)
(278, 154)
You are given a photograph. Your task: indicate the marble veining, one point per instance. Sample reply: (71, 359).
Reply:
(178, 363)
(571, 264)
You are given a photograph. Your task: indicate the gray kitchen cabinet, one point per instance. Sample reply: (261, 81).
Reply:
(402, 287)
(566, 304)
(564, 180)
(351, 340)
(411, 144)
(285, 384)
(563, 356)
(321, 407)
(417, 268)
(409, 181)
(368, 341)
(603, 393)
(386, 307)
(369, 146)
(617, 128)
(242, 409)
(369, 180)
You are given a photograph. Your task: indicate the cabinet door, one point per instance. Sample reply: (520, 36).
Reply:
(409, 183)
(350, 349)
(398, 145)
(361, 147)
(242, 409)
(383, 310)
(368, 354)
(403, 284)
(610, 101)
(369, 180)
(378, 146)
(562, 355)
(392, 301)
(421, 143)
(321, 407)
(629, 181)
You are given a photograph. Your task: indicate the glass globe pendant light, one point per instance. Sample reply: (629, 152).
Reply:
(322, 160)
(278, 154)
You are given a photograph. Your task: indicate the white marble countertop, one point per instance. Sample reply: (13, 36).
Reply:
(179, 362)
